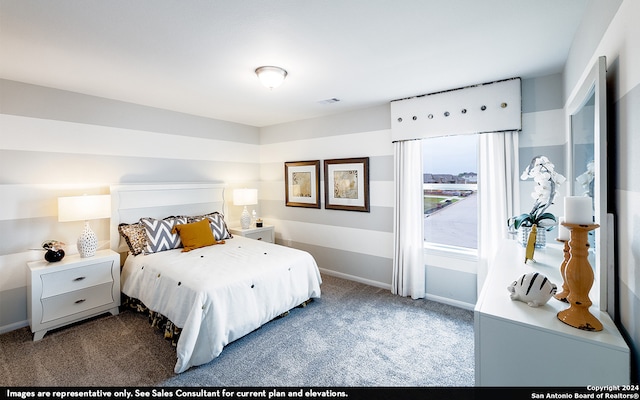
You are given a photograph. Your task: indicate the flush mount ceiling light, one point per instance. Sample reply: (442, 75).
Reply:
(271, 77)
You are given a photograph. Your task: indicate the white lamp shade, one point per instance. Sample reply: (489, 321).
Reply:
(84, 208)
(245, 197)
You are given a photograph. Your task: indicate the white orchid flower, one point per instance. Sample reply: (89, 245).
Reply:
(543, 173)
(586, 178)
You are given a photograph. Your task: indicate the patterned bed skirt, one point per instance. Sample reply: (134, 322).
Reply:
(156, 320)
(170, 330)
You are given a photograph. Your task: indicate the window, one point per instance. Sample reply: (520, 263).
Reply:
(450, 187)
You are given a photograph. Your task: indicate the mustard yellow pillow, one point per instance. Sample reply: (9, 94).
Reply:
(195, 235)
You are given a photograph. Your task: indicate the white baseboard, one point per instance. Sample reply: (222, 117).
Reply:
(451, 302)
(13, 326)
(438, 299)
(356, 279)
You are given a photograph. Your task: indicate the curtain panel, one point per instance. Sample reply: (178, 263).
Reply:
(408, 266)
(498, 194)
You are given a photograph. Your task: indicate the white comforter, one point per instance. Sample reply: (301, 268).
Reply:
(220, 293)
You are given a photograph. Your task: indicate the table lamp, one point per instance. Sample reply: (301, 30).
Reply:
(245, 197)
(85, 208)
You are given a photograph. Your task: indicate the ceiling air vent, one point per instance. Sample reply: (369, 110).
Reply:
(329, 101)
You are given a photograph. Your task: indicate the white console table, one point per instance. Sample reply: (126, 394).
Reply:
(518, 345)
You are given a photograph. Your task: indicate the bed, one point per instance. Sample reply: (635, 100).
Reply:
(215, 293)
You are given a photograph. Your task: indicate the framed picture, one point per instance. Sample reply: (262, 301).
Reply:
(346, 184)
(302, 183)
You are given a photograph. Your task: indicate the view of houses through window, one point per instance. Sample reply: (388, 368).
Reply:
(450, 187)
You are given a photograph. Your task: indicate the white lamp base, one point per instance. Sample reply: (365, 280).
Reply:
(245, 219)
(87, 242)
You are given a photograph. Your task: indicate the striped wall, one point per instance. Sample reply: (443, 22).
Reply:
(543, 133)
(618, 42)
(610, 29)
(55, 143)
(351, 244)
(359, 245)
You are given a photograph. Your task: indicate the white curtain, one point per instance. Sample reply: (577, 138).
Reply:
(498, 194)
(408, 267)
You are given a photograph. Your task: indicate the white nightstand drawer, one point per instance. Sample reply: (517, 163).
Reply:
(266, 236)
(56, 283)
(75, 302)
(265, 233)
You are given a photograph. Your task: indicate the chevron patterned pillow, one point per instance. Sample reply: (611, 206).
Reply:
(159, 236)
(217, 224)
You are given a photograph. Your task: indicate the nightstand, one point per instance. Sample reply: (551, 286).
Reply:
(265, 233)
(71, 290)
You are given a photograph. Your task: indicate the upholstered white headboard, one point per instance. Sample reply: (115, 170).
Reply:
(129, 203)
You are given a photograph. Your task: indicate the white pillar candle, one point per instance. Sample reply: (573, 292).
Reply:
(563, 232)
(578, 210)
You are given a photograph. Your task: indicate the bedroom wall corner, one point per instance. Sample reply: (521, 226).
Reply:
(354, 245)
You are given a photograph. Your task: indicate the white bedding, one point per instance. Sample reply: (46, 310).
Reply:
(220, 293)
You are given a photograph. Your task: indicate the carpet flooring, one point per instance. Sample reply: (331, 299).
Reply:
(355, 335)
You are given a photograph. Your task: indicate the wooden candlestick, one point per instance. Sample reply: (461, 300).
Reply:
(562, 296)
(579, 278)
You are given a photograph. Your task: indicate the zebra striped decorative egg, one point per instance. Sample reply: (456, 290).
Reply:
(533, 288)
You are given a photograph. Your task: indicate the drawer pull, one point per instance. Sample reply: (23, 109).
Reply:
(80, 278)
(259, 238)
(80, 301)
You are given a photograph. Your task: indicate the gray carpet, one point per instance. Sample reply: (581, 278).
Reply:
(355, 335)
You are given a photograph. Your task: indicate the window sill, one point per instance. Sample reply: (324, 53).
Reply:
(451, 258)
(460, 253)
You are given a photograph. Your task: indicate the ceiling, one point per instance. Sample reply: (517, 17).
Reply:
(199, 57)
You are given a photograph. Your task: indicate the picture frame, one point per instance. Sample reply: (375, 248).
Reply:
(346, 184)
(302, 183)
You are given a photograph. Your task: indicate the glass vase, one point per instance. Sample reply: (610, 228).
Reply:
(541, 237)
